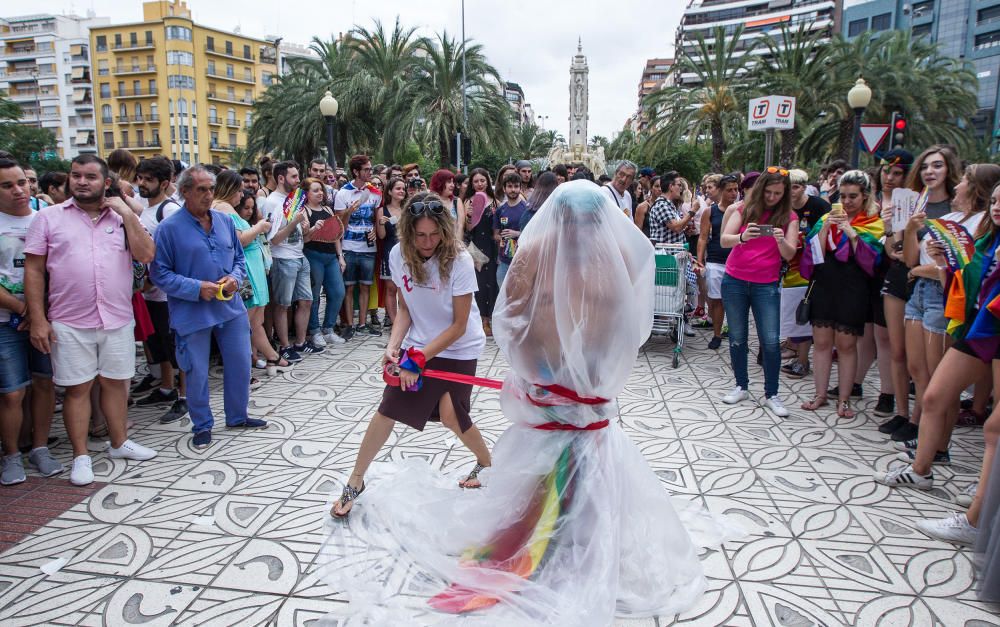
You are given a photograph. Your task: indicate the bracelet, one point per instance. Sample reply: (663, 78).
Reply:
(741, 237)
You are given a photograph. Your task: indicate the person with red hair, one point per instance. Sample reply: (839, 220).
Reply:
(443, 184)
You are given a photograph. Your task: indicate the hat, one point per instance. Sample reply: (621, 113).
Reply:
(898, 157)
(523, 163)
(647, 172)
(749, 179)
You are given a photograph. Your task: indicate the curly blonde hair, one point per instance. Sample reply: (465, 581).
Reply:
(448, 249)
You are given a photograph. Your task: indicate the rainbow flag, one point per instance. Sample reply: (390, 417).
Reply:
(959, 246)
(520, 548)
(971, 286)
(867, 254)
(293, 203)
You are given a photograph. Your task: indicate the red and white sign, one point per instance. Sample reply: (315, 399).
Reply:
(770, 112)
(872, 136)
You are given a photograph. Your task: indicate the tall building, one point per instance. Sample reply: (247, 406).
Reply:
(514, 96)
(963, 29)
(758, 17)
(579, 100)
(169, 86)
(654, 75)
(45, 68)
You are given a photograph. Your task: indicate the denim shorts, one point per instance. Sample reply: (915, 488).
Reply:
(927, 305)
(360, 268)
(290, 281)
(19, 360)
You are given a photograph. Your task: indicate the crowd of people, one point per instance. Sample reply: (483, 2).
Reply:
(266, 266)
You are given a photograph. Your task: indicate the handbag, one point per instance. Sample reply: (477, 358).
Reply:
(246, 290)
(802, 312)
(478, 258)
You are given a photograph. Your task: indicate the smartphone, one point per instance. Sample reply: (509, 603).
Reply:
(766, 229)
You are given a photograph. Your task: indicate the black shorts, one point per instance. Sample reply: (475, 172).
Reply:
(161, 342)
(896, 283)
(963, 347)
(415, 409)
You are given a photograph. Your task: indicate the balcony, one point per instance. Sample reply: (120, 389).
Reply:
(232, 123)
(79, 58)
(226, 77)
(26, 75)
(134, 69)
(215, 121)
(28, 96)
(229, 55)
(135, 93)
(228, 98)
(222, 147)
(137, 119)
(10, 54)
(32, 115)
(136, 145)
(123, 47)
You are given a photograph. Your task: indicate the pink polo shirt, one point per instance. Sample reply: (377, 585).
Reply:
(90, 269)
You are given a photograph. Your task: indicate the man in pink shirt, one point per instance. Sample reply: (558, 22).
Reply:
(87, 245)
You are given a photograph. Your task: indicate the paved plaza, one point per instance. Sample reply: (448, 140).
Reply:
(230, 535)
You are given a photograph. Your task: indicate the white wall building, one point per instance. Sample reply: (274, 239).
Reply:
(45, 68)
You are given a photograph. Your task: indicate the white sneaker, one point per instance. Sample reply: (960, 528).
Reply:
(954, 528)
(333, 338)
(967, 494)
(131, 450)
(905, 477)
(317, 339)
(260, 364)
(738, 394)
(82, 473)
(774, 404)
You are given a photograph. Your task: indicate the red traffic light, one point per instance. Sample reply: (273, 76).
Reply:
(900, 124)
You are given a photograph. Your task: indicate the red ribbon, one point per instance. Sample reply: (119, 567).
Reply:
(562, 426)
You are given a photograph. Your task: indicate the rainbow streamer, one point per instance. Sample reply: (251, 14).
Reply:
(293, 203)
(971, 286)
(958, 242)
(521, 548)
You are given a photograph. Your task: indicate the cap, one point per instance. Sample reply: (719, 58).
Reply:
(898, 157)
(647, 172)
(749, 179)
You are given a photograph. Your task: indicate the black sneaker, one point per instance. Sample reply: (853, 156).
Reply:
(290, 355)
(387, 325)
(714, 343)
(148, 383)
(375, 331)
(886, 405)
(361, 329)
(249, 423)
(177, 411)
(855, 391)
(909, 431)
(157, 397)
(308, 348)
(889, 426)
(941, 458)
(373, 321)
(348, 333)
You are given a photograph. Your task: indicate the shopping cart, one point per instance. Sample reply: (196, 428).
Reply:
(670, 294)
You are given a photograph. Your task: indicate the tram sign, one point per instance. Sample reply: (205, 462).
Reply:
(771, 112)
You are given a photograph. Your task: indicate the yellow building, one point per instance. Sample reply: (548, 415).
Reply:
(169, 86)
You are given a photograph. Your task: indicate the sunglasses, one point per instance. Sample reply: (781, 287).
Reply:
(777, 170)
(433, 206)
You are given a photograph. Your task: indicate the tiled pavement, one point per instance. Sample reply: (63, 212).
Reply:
(230, 535)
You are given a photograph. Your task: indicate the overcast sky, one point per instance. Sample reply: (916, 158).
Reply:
(530, 43)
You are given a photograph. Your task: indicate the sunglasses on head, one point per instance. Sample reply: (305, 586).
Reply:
(433, 206)
(776, 170)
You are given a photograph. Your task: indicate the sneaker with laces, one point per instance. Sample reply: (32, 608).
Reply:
(968, 493)
(157, 397)
(290, 355)
(332, 338)
(886, 405)
(348, 333)
(908, 445)
(795, 369)
(308, 348)
(889, 426)
(738, 394)
(131, 450)
(905, 477)
(12, 471)
(202, 439)
(177, 411)
(148, 383)
(374, 331)
(43, 461)
(82, 472)
(317, 339)
(373, 321)
(774, 404)
(907, 432)
(701, 323)
(941, 458)
(955, 529)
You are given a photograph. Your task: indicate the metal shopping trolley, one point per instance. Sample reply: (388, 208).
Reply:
(670, 294)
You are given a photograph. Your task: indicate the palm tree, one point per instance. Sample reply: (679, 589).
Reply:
(531, 141)
(718, 97)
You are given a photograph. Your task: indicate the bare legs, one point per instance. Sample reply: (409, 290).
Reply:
(76, 412)
(897, 345)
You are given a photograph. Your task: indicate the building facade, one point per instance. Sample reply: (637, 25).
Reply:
(758, 17)
(579, 100)
(514, 96)
(169, 86)
(968, 30)
(45, 69)
(654, 77)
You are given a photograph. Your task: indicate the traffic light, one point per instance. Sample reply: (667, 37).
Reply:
(898, 129)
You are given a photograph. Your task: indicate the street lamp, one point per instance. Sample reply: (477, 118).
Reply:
(543, 118)
(858, 99)
(328, 107)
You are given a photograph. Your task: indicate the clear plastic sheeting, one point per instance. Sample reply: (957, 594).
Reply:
(572, 526)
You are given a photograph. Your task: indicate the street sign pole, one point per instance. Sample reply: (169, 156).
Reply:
(769, 147)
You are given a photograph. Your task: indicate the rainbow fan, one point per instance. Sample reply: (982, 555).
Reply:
(293, 203)
(959, 246)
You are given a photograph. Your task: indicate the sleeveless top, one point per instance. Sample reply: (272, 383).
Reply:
(715, 253)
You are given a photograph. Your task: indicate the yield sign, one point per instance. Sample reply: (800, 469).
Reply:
(872, 135)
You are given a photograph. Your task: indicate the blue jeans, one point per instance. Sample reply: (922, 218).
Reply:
(233, 338)
(738, 298)
(324, 272)
(502, 268)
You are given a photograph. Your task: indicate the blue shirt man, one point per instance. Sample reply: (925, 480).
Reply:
(199, 264)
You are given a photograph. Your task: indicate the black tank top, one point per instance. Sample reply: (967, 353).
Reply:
(715, 252)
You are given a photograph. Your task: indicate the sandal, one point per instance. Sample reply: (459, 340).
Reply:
(815, 403)
(473, 476)
(844, 410)
(274, 366)
(349, 495)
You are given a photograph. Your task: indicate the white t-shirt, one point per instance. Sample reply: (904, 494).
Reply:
(361, 221)
(149, 221)
(971, 225)
(624, 201)
(431, 308)
(274, 209)
(12, 232)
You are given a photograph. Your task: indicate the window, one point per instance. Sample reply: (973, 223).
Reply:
(214, 141)
(179, 58)
(856, 27)
(195, 134)
(988, 40)
(102, 67)
(121, 87)
(229, 47)
(882, 22)
(173, 134)
(125, 138)
(152, 85)
(156, 136)
(232, 140)
(133, 39)
(231, 93)
(105, 90)
(182, 107)
(230, 72)
(211, 67)
(170, 106)
(118, 40)
(213, 114)
(154, 111)
(179, 81)
(138, 110)
(210, 43)
(123, 111)
(247, 96)
(102, 43)
(231, 116)
(249, 119)
(247, 74)
(179, 32)
(139, 137)
(267, 78)
(137, 87)
(149, 38)
(185, 133)
(989, 14)
(106, 114)
(921, 9)
(109, 139)
(922, 30)
(246, 52)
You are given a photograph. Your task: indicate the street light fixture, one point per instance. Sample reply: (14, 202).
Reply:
(543, 118)
(328, 106)
(858, 99)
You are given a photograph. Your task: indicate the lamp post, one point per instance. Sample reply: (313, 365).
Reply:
(328, 107)
(543, 118)
(858, 99)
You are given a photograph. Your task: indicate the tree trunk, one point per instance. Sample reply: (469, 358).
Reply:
(789, 142)
(443, 149)
(718, 146)
(844, 139)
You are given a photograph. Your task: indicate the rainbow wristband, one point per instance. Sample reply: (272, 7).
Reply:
(414, 361)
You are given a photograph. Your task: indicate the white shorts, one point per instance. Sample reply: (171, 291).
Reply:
(713, 279)
(790, 299)
(79, 355)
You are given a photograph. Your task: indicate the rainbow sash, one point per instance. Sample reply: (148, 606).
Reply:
(959, 245)
(868, 253)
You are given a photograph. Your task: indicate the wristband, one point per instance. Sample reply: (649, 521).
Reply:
(414, 361)
(221, 295)
(741, 237)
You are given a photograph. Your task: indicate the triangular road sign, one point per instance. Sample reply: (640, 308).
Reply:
(872, 135)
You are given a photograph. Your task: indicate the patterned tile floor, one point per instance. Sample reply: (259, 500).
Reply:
(230, 535)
